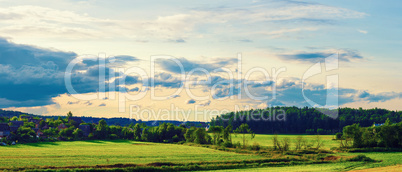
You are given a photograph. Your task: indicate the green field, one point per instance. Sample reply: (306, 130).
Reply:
(266, 140)
(388, 159)
(108, 152)
(91, 153)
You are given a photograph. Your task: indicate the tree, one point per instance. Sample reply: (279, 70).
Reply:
(14, 118)
(69, 115)
(244, 129)
(354, 132)
(216, 130)
(102, 130)
(201, 136)
(226, 134)
(145, 135)
(78, 133)
(387, 122)
(189, 136)
(67, 133)
(137, 132)
(26, 134)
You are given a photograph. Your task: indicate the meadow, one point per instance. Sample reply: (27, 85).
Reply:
(390, 161)
(266, 140)
(92, 153)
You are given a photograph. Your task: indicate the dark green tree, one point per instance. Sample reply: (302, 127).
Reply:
(137, 132)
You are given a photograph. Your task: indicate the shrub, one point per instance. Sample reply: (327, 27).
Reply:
(338, 136)
(361, 158)
(255, 146)
(227, 144)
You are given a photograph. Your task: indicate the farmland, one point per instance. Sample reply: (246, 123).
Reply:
(266, 140)
(92, 153)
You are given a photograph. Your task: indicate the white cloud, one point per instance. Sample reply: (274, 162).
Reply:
(42, 22)
(363, 31)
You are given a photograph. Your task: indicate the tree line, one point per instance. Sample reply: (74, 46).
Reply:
(306, 120)
(67, 129)
(387, 135)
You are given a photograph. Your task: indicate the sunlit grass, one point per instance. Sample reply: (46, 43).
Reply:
(108, 152)
(266, 140)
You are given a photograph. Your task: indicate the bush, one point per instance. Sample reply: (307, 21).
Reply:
(113, 136)
(237, 145)
(227, 144)
(255, 146)
(361, 158)
(90, 136)
(338, 136)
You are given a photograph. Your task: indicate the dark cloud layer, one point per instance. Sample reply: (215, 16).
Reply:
(32, 76)
(344, 55)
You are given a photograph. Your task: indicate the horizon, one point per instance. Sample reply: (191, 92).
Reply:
(197, 60)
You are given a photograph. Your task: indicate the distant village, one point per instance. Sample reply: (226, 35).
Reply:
(26, 129)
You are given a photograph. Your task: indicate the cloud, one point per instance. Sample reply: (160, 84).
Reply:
(71, 103)
(88, 103)
(32, 76)
(346, 55)
(214, 64)
(362, 31)
(41, 22)
(178, 41)
(245, 40)
(205, 103)
(191, 101)
(167, 80)
(173, 96)
(135, 89)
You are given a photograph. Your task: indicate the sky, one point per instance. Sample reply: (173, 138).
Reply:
(185, 60)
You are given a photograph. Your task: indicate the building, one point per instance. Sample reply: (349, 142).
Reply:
(61, 126)
(36, 121)
(4, 130)
(377, 125)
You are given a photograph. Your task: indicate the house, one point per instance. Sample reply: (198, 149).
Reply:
(377, 125)
(61, 126)
(86, 129)
(207, 128)
(38, 132)
(4, 130)
(36, 121)
(45, 127)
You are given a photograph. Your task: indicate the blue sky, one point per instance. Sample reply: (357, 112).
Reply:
(39, 39)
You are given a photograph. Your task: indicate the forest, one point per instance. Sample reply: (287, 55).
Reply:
(306, 120)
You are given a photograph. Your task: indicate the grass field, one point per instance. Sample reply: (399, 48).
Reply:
(266, 140)
(107, 152)
(388, 159)
(91, 153)
(390, 162)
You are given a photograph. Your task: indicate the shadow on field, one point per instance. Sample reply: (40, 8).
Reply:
(49, 143)
(106, 141)
(42, 144)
